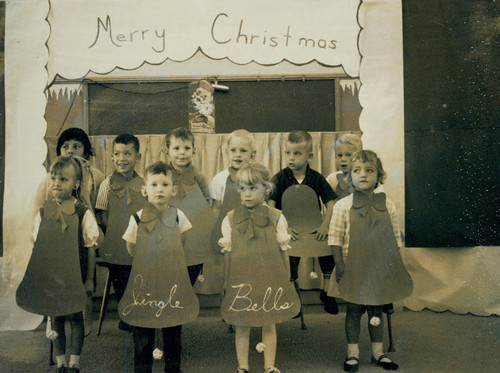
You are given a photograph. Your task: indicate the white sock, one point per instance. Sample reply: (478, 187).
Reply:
(61, 360)
(352, 351)
(269, 339)
(242, 339)
(378, 350)
(74, 361)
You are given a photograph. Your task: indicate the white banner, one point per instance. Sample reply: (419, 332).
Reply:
(100, 35)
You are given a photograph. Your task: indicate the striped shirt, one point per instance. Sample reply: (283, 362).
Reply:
(102, 197)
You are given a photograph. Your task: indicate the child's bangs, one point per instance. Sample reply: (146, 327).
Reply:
(246, 176)
(364, 157)
(64, 162)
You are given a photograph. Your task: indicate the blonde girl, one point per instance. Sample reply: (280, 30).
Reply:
(258, 292)
(60, 273)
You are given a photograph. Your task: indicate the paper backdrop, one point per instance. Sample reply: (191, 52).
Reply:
(125, 33)
(73, 38)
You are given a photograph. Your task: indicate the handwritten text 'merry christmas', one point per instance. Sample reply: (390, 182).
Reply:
(220, 35)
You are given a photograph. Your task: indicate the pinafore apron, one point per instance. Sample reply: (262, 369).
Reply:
(374, 272)
(259, 291)
(213, 271)
(343, 189)
(52, 284)
(159, 293)
(124, 199)
(191, 201)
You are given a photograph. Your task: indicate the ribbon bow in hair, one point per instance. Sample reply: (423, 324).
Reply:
(246, 220)
(369, 205)
(55, 211)
(151, 216)
(121, 186)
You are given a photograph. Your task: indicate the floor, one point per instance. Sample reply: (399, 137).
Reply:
(424, 341)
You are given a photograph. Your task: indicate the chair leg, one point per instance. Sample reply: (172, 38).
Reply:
(301, 313)
(51, 353)
(107, 286)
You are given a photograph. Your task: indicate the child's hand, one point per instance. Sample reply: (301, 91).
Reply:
(293, 233)
(339, 271)
(89, 287)
(321, 233)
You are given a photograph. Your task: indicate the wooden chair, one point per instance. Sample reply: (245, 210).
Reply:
(105, 295)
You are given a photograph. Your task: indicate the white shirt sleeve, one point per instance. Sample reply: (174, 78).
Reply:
(332, 180)
(184, 223)
(218, 185)
(225, 240)
(90, 231)
(130, 234)
(282, 235)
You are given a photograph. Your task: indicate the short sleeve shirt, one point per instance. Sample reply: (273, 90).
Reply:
(317, 182)
(102, 195)
(130, 234)
(218, 185)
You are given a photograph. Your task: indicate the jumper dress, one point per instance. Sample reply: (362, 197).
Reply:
(191, 201)
(124, 199)
(343, 189)
(374, 272)
(230, 201)
(53, 282)
(259, 291)
(159, 293)
(301, 209)
(213, 270)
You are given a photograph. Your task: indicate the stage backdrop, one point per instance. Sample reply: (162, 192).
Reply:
(121, 39)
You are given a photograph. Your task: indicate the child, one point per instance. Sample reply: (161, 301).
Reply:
(193, 198)
(258, 290)
(364, 232)
(119, 197)
(61, 268)
(224, 187)
(159, 294)
(298, 153)
(74, 142)
(345, 147)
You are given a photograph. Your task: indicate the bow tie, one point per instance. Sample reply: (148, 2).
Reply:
(369, 205)
(151, 216)
(55, 211)
(246, 220)
(121, 186)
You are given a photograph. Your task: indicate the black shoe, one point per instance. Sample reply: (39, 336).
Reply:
(323, 297)
(351, 367)
(62, 369)
(124, 326)
(73, 370)
(331, 305)
(387, 365)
